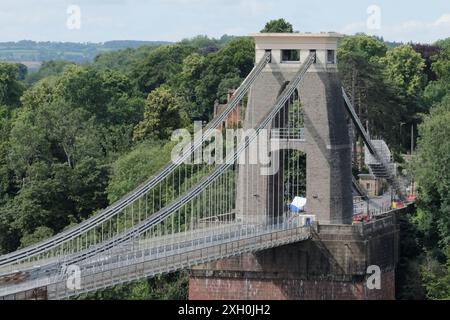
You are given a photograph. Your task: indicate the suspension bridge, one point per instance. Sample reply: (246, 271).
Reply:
(193, 214)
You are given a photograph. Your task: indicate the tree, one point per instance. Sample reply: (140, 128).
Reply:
(437, 90)
(226, 85)
(432, 173)
(436, 278)
(358, 60)
(41, 93)
(133, 168)
(441, 64)
(58, 167)
(22, 71)
(161, 116)
(40, 234)
(173, 286)
(278, 26)
(427, 51)
(408, 280)
(362, 45)
(404, 72)
(202, 43)
(47, 69)
(404, 68)
(443, 44)
(123, 60)
(160, 66)
(93, 90)
(432, 169)
(10, 87)
(6, 186)
(361, 70)
(199, 81)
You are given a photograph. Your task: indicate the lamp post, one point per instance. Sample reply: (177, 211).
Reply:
(401, 135)
(413, 193)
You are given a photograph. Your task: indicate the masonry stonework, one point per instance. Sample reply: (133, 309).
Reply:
(328, 149)
(289, 289)
(331, 266)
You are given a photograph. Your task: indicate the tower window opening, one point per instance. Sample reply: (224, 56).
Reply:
(290, 56)
(331, 57)
(270, 57)
(315, 54)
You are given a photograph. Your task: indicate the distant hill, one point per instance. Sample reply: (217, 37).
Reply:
(31, 51)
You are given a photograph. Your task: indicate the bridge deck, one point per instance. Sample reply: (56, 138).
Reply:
(168, 254)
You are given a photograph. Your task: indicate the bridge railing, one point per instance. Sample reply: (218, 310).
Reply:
(138, 263)
(376, 225)
(163, 253)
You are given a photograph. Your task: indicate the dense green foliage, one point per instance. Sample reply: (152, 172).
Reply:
(167, 287)
(431, 167)
(47, 69)
(161, 116)
(10, 87)
(404, 69)
(432, 172)
(278, 26)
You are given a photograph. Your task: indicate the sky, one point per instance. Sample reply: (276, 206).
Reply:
(174, 20)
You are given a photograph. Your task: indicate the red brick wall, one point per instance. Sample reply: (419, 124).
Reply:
(241, 288)
(332, 268)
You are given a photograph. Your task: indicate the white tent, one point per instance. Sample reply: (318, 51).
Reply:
(298, 204)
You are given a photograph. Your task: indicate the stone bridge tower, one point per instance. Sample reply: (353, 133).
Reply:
(329, 193)
(333, 264)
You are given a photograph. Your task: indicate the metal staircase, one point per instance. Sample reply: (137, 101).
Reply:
(379, 162)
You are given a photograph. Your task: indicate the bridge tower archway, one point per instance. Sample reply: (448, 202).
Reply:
(326, 137)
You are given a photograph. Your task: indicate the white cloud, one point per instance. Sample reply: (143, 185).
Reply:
(444, 20)
(353, 28)
(254, 7)
(417, 30)
(416, 25)
(426, 31)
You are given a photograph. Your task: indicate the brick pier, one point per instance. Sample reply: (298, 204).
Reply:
(332, 266)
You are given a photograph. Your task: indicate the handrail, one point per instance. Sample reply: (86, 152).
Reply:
(358, 124)
(391, 177)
